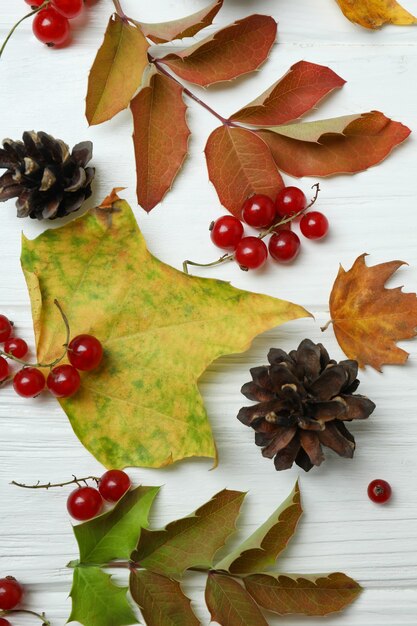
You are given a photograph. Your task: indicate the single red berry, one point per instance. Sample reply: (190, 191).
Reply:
(379, 491)
(35, 3)
(259, 211)
(284, 246)
(5, 328)
(50, 27)
(84, 503)
(63, 381)
(4, 369)
(4, 622)
(85, 352)
(68, 8)
(314, 225)
(16, 346)
(226, 232)
(29, 382)
(290, 200)
(113, 485)
(251, 253)
(11, 593)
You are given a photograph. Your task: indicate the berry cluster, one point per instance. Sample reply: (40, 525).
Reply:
(11, 594)
(86, 502)
(84, 353)
(51, 22)
(261, 212)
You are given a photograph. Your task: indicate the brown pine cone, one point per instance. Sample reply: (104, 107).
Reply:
(47, 179)
(304, 399)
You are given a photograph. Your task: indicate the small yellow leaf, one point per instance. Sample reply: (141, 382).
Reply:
(160, 330)
(375, 13)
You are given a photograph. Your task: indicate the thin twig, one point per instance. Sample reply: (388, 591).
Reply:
(25, 17)
(38, 485)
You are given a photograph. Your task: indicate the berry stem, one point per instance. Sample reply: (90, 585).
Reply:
(38, 485)
(59, 359)
(25, 17)
(265, 233)
(40, 616)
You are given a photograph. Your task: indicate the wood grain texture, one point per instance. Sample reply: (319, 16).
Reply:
(372, 212)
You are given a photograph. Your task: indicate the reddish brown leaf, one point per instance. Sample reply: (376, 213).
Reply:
(117, 70)
(235, 50)
(161, 600)
(184, 27)
(160, 138)
(240, 164)
(292, 96)
(369, 319)
(341, 145)
(287, 594)
(230, 604)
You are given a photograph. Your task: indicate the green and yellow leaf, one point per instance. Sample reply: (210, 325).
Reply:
(191, 541)
(160, 330)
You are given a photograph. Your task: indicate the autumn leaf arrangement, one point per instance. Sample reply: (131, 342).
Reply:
(250, 148)
(240, 585)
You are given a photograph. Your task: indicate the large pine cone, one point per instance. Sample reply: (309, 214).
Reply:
(304, 399)
(47, 180)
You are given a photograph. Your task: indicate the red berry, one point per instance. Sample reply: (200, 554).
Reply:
(113, 485)
(251, 253)
(379, 491)
(4, 369)
(16, 346)
(290, 200)
(35, 3)
(85, 352)
(259, 211)
(11, 593)
(314, 225)
(4, 622)
(68, 8)
(50, 27)
(5, 328)
(84, 503)
(226, 232)
(63, 381)
(29, 382)
(284, 246)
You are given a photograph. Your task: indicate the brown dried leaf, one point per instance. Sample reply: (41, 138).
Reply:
(369, 319)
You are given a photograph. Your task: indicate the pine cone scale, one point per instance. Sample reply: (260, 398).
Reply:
(303, 400)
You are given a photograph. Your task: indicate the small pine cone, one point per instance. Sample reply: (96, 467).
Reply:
(304, 399)
(47, 179)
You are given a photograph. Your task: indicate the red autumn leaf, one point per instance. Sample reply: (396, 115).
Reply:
(240, 164)
(292, 96)
(235, 50)
(160, 138)
(184, 27)
(341, 145)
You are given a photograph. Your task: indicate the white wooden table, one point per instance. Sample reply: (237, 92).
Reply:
(372, 212)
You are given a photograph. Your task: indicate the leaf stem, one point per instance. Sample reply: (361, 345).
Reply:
(25, 17)
(159, 65)
(38, 485)
(40, 616)
(57, 360)
(265, 233)
(120, 11)
(326, 326)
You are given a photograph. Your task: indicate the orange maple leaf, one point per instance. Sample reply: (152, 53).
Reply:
(368, 319)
